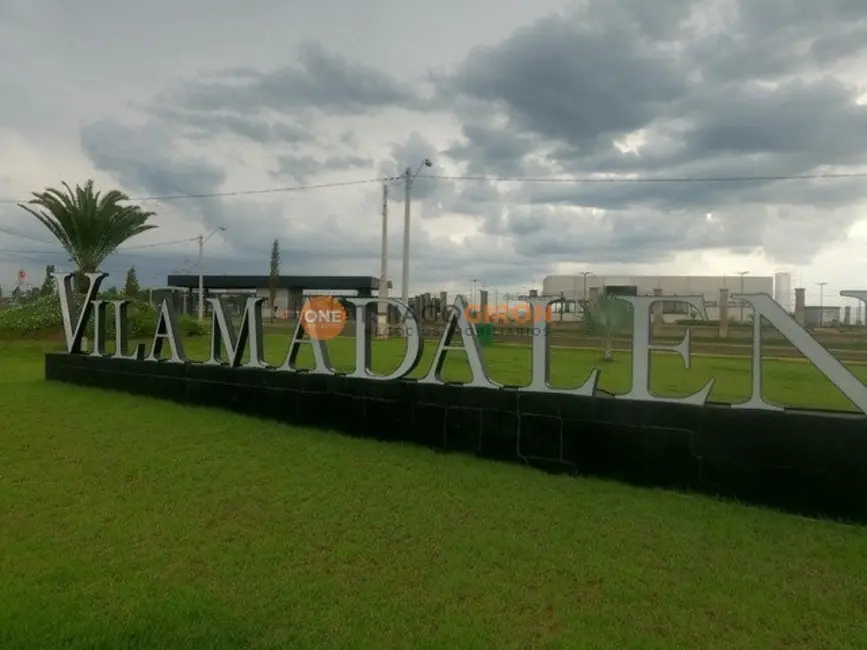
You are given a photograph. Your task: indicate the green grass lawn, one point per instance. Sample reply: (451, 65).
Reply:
(132, 523)
(794, 382)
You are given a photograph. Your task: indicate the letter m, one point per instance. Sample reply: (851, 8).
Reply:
(224, 334)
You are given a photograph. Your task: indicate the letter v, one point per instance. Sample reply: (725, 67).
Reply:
(64, 292)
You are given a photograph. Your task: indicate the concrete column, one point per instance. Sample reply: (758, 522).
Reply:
(483, 305)
(593, 294)
(296, 302)
(430, 307)
(656, 321)
(847, 315)
(723, 313)
(800, 304)
(444, 304)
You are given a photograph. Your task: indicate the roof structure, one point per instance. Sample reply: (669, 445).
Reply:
(296, 282)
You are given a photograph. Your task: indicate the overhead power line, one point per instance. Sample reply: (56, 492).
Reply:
(18, 234)
(210, 195)
(162, 243)
(185, 240)
(647, 179)
(577, 180)
(58, 250)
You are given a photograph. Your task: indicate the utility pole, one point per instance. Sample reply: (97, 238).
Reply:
(742, 274)
(821, 303)
(408, 178)
(586, 274)
(407, 187)
(201, 278)
(201, 239)
(383, 272)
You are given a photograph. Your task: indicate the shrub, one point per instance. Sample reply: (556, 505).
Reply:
(41, 318)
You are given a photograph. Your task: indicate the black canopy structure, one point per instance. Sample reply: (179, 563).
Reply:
(363, 285)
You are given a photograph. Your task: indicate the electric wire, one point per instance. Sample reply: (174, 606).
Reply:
(576, 180)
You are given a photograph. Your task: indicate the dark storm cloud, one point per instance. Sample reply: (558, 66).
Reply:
(770, 40)
(321, 81)
(575, 87)
(564, 80)
(302, 168)
(204, 125)
(144, 158)
(502, 148)
(700, 90)
(349, 139)
(584, 109)
(846, 43)
(412, 153)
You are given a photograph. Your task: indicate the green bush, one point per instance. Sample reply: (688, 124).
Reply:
(41, 318)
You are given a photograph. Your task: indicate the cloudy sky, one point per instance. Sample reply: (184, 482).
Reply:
(678, 110)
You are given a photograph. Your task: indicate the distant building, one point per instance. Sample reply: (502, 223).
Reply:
(815, 316)
(290, 290)
(783, 290)
(572, 288)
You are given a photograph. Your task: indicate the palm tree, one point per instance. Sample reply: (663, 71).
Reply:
(605, 317)
(90, 226)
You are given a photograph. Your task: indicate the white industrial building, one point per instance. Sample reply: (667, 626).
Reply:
(783, 291)
(580, 287)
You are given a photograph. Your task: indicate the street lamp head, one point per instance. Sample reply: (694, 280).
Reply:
(427, 162)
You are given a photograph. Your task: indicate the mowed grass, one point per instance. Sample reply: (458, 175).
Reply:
(132, 523)
(790, 382)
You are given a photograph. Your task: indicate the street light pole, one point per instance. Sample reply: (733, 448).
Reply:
(742, 274)
(408, 178)
(407, 186)
(202, 241)
(586, 274)
(383, 272)
(821, 303)
(201, 279)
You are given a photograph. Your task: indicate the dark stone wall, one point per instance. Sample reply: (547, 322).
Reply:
(809, 462)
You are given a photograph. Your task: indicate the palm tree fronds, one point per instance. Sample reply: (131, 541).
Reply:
(89, 225)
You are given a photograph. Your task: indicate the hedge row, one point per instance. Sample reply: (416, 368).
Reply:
(41, 318)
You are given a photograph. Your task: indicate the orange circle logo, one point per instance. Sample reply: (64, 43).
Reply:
(323, 317)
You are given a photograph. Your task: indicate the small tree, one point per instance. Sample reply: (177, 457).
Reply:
(48, 287)
(88, 224)
(274, 276)
(604, 317)
(131, 288)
